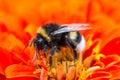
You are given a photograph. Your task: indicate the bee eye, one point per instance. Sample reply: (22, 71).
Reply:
(40, 40)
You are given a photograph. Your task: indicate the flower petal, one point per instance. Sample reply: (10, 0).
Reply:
(115, 71)
(71, 73)
(23, 78)
(93, 48)
(44, 74)
(112, 47)
(109, 59)
(60, 71)
(2, 77)
(5, 59)
(15, 48)
(17, 70)
(99, 63)
(100, 75)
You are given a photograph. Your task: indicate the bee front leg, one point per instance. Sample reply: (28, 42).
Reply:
(45, 49)
(54, 48)
(35, 57)
(36, 51)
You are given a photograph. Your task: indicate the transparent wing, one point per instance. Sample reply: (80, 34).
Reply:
(71, 27)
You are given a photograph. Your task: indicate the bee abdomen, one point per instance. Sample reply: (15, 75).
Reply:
(75, 36)
(82, 44)
(78, 39)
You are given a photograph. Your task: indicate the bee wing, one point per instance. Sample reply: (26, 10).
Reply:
(71, 27)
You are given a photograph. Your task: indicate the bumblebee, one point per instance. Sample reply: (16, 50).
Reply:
(53, 36)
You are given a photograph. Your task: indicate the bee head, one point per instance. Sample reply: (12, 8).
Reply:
(43, 33)
(38, 42)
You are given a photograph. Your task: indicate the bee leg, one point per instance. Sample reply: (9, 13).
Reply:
(52, 53)
(75, 54)
(36, 51)
(45, 49)
(35, 57)
(72, 45)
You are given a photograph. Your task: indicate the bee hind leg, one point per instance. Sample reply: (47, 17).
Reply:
(72, 44)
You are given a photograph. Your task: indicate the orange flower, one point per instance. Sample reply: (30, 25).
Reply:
(20, 19)
(14, 62)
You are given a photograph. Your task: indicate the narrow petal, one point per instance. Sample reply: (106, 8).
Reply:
(43, 74)
(93, 48)
(71, 73)
(100, 75)
(99, 63)
(109, 59)
(115, 71)
(60, 72)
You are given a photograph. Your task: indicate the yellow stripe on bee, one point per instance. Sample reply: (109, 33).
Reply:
(73, 35)
(43, 33)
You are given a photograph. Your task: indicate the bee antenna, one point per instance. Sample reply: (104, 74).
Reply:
(25, 46)
(29, 44)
